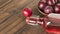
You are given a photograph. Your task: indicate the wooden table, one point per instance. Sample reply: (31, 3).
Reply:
(13, 22)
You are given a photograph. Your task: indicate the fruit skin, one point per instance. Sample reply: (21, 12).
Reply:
(41, 5)
(27, 12)
(51, 2)
(48, 9)
(57, 8)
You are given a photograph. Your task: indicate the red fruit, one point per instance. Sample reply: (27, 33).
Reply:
(48, 9)
(41, 5)
(51, 2)
(57, 8)
(27, 12)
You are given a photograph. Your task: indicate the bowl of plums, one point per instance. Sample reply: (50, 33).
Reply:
(50, 9)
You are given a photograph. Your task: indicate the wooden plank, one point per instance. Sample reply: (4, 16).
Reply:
(22, 29)
(28, 29)
(4, 2)
(12, 31)
(5, 24)
(14, 5)
(15, 10)
(12, 10)
(13, 13)
(14, 24)
(4, 18)
(3, 15)
(8, 22)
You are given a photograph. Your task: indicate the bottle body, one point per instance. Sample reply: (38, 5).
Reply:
(54, 26)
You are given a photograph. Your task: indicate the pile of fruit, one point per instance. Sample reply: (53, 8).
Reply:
(49, 6)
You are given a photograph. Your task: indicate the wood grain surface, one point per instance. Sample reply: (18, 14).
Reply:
(13, 22)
